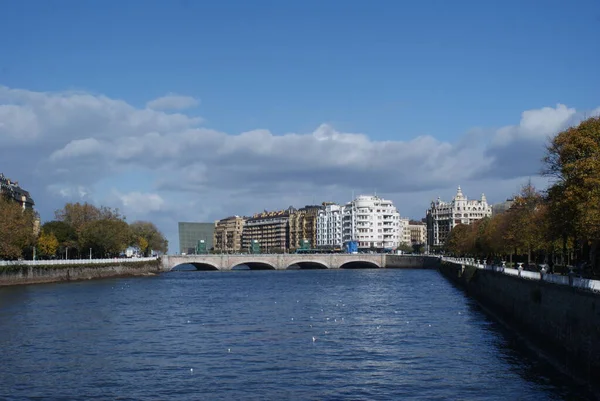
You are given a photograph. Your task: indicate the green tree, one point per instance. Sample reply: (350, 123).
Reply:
(106, 238)
(79, 215)
(153, 239)
(405, 248)
(16, 229)
(65, 234)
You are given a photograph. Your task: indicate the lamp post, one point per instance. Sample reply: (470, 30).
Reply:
(90, 253)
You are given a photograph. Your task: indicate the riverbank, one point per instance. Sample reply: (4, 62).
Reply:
(37, 274)
(563, 321)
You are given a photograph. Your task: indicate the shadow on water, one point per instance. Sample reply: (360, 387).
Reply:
(519, 353)
(359, 265)
(307, 266)
(185, 267)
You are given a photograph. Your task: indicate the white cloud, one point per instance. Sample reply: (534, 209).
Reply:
(517, 150)
(78, 148)
(69, 145)
(172, 102)
(139, 203)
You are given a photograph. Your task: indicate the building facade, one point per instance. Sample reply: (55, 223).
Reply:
(228, 234)
(303, 226)
(329, 226)
(270, 229)
(191, 233)
(371, 221)
(13, 191)
(418, 232)
(404, 231)
(442, 216)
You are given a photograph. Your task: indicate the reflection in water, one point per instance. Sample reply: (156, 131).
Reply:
(299, 334)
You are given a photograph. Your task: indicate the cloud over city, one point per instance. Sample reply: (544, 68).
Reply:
(73, 146)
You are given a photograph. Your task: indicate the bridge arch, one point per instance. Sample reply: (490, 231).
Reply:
(360, 264)
(307, 264)
(253, 266)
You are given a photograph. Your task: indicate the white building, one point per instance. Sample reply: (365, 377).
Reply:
(442, 217)
(329, 226)
(372, 222)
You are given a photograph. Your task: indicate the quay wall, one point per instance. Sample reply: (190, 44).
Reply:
(563, 322)
(23, 274)
(412, 262)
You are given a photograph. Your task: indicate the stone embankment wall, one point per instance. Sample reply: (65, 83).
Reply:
(563, 321)
(15, 275)
(412, 262)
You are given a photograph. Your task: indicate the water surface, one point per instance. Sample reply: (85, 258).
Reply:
(254, 335)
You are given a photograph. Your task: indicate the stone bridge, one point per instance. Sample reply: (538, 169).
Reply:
(303, 261)
(275, 261)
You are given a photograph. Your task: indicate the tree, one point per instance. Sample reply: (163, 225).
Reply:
(47, 244)
(106, 238)
(459, 240)
(417, 248)
(64, 234)
(77, 214)
(16, 229)
(573, 160)
(525, 219)
(152, 238)
(405, 248)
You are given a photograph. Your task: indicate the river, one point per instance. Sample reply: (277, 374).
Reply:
(377, 334)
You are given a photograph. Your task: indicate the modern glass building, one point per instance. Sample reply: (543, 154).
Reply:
(191, 233)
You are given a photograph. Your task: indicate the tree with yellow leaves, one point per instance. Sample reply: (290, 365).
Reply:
(47, 244)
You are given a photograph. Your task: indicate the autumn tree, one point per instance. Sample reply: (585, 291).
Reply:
(459, 240)
(16, 229)
(47, 244)
(524, 218)
(147, 237)
(573, 160)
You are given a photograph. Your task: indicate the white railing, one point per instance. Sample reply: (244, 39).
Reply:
(570, 280)
(78, 262)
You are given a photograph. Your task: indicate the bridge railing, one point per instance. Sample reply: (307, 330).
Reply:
(78, 262)
(568, 280)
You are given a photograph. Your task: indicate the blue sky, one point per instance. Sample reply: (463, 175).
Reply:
(453, 71)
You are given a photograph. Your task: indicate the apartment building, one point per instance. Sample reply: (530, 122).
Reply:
(442, 216)
(303, 226)
(270, 229)
(404, 231)
(372, 222)
(329, 225)
(228, 234)
(418, 232)
(12, 190)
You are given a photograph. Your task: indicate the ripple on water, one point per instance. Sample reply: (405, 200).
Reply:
(379, 334)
